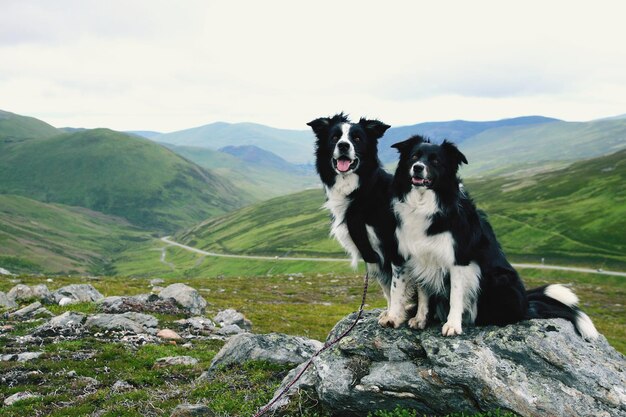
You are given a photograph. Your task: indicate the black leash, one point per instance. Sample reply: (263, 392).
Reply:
(327, 346)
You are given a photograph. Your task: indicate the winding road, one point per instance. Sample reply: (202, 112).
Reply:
(166, 239)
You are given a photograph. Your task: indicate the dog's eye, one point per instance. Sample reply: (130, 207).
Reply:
(435, 161)
(335, 138)
(356, 139)
(414, 158)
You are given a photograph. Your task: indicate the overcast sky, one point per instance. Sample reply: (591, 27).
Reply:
(171, 65)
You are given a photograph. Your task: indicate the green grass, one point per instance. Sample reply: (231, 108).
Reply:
(116, 174)
(52, 238)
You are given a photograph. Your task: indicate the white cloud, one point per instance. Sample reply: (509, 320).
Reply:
(167, 65)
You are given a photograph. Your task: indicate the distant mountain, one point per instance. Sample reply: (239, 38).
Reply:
(52, 238)
(117, 174)
(254, 154)
(16, 127)
(259, 173)
(148, 134)
(457, 131)
(575, 215)
(295, 146)
(511, 149)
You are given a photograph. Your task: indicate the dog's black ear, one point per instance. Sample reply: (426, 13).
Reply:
(320, 126)
(453, 152)
(375, 129)
(409, 143)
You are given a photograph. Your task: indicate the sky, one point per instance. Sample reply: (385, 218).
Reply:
(171, 65)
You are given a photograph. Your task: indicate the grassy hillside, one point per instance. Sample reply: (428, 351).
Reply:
(52, 238)
(572, 216)
(577, 214)
(258, 177)
(117, 174)
(295, 146)
(15, 127)
(502, 150)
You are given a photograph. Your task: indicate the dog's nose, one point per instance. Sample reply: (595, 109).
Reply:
(343, 146)
(418, 168)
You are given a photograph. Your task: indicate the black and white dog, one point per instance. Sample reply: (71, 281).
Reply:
(358, 192)
(452, 256)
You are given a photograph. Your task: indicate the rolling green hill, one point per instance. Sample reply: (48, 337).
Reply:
(573, 216)
(116, 174)
(52, 238)
(508, 149)
(15, 127)
(259, 176)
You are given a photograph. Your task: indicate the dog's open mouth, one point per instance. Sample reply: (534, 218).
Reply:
(421, 181)
(345, 164)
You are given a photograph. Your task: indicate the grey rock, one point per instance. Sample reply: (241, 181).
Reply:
(229, 330)
(6, 302)
(533, 368)
(68, 323)
(121, 386)
(139, 303)
(5, 272)
(129, 322)
(21, 357)
(175, 360)
(192, 410)
(186, 297)
(231, 316)
(274, 347)
(82, 293)
(197, 325)
(32, 310)
(156, 281)
(21, 293)
(19, 396)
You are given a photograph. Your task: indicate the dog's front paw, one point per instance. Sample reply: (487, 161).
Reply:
(451, 329)
(417, 323)
(388, 319)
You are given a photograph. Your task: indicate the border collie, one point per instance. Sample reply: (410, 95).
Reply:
(452, 255)
(358, 192)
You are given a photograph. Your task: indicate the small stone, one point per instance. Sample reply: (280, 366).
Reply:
(20, 396)
(229, 330)
(156, 281)
(192, 410)
(29, 311)
(175, 360)
(65, 301)
(168, 334)
(6, 328)
(231, 316)
(6, 302)
(121, 386)
(28, 356)
(72, 374)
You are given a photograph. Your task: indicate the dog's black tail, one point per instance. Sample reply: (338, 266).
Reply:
(558, 301)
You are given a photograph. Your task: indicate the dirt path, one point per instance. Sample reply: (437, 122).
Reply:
(280, 258)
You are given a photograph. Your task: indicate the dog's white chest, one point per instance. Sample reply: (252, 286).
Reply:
(337, 202)
(430, 257)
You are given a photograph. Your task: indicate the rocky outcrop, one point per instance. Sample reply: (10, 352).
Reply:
(232, 317)
(128, 322)
(534, 368)
(32, 310)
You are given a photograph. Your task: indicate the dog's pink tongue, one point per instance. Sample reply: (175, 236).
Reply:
(343, 165)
